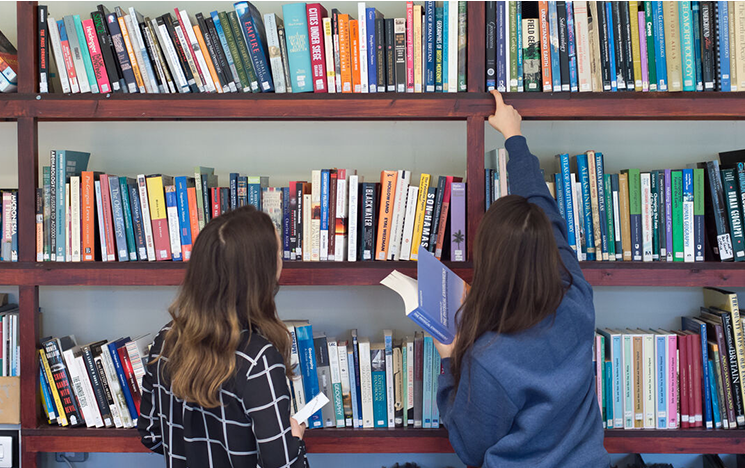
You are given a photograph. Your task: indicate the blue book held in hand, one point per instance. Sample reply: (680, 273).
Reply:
(433, 301)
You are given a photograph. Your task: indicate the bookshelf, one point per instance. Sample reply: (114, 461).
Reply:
(27, 109)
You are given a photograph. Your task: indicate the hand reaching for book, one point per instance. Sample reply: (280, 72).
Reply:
(505, 118)
(445, 350)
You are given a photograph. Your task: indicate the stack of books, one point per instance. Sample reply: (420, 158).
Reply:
(660, 379)
(579, 46)
(309, 49)
(85, 216)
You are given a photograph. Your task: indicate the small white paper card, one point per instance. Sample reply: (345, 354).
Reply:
(310, 408)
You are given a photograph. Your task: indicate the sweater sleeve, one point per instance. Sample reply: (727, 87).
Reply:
(148, 424)
(477, 414)
(525, 180)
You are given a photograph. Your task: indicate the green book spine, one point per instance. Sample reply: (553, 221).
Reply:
(655, 199)
(635, 213)
(128, 224)
(243, 50)
(233, 47)
(462, 46)
(46, 181)
(512, 85)
(405, 379)
(676, 178)
(609, 217)
(698, 214)
(649, 28)
(731, 199)
(86, 54)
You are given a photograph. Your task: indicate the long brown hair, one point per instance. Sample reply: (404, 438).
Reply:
(518, 276)
(230, 284)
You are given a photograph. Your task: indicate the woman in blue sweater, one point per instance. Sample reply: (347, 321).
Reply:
(518, 388)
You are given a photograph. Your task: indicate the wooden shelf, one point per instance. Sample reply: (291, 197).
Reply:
(56, 439)
(714, 274)
(382, 106)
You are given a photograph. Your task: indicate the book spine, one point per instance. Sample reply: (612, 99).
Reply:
(59, 57)
(381, 63)
(354, 47)
(389, 380)
(568, 200)
(388, 192)
(399, 212)
(661, 362)
(346, 379)
(368, 220)
(341, 221)
(733, 210)
(231, 54)
(353, 218)
(399, 385)
(118, 219)
(734, 372)
(171, 56)
(649, 31)
(172, 215)
(661, 215)
(427, 383)
(584, 175)
(669, 216)
(655, 212)
(646, 217)
(677, 216)
(333, 182)
(304, 336)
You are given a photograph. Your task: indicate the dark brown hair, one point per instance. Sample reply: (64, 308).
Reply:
(519, 278)
(230, 284)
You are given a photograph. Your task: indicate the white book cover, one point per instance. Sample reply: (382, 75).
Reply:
(627, 381)
(399, 212)
(99, 216)
(582, 45)
(59, 57)
(408, 229)
(136, 19)
(68, 225)
(342, 211)
(366, 383)
(452, 26)
(201, 63)
(650, 387)
(315, 223)
(353, 208)
(507, 37)
(115, 388)
(346, 389)
(646, 190)
(328, 42)
(390, 394)
(90, 394)
(307, 241)
(113, 407)
(336, 386)
(78, 389)
(579, 223)
(75, 217)
(298, 393)
(362, 26)
(170, 55)
(409, 405)
(275, 54)
(134, 40)
(146, 222)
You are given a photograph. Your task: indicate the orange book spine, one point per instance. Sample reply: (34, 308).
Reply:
(442, 227)
(191, 195)
(207, 59)
(387, 196)
(354, 47)
(89, 227)
(545, 46)
(345, 57)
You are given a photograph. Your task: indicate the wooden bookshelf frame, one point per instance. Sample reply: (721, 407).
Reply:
(28, 108)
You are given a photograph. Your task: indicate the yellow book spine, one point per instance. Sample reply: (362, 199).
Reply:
(417, 48)
(739, 50)
(385, 217)
(728, 302)
(61, 417)
(207, 58)
(595, 208)
(733, 73)
(416, 240)
(638, 382)
(635, 47)
(131, 53)
(672, 46)
(623, 193)
(156, 198)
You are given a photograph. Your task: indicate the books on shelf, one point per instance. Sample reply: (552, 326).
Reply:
(670, 379)
(9, 63)
(9, 225)
(85, 215)
(308, 49)
(583, 46)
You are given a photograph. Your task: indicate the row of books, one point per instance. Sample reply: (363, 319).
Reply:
(8, 66)
(387, 384)
(659, 379)
(579, 46)
(9, 225)
(308, 50)
(10, 355)
(85, 216)
(98, 384)
(686, 215)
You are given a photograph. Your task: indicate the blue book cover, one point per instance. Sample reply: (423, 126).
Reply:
(128, 225)
(600, 175)
(608, 384)
(583, 173)
(429, 52)
(501, 48)
(436, 368)
(616, 219)
(228, 56)
(571, 48)
(254, 192)
(660, 366)
(724, 47)
(184, 219)
(559, 187)
(298, 49)
(353, 388)
(566, 185)
(371, 14)
(714, 396)
(46, 390)
(325, 182)
(134, 197)
(439, 30)
(611, 47)
(433, 301)
(488, 192)
(306, 352)
(445, 28)
(686, 46)
(86, 54)
(618, 380)
(660, 58)
(286, 222)
(14, 226)
(233, 190)
(697, 63)
(242, 191)
(699, 327)
(553, 20)
(520, 85)
(377, 359)
(113, 346)
(118, 218)
(252, 27)
(356, 355)
(427, 376)
(172, 202)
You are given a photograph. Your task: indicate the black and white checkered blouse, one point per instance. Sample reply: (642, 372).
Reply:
(251, 428)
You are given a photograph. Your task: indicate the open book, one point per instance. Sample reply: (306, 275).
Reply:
(433, 301)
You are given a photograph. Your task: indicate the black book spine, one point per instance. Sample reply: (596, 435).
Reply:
(206, 199)
(154, 58)
(716, 70)
(399, 27)
(628, 51)
(168, 22)
(98, 391)
(436, 213)
(491, 49)
(299, 221)
(121, 53)
(134, 201)
(618, 47)
(119, 73)
(561, 10)
(213, 53)
(707, 45)
(107, 51)
(62, 381)
(380, 54)
(286, 60)
(337, 56)
(217, 45)
(44, 50)
(157, 49)
(224, 200)
(729, 337)
(429, 208)
(105, 384)
(369, 219)
(390, 55)
(602, 28)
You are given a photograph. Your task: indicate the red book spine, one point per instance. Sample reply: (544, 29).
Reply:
(545, 46)
(108, 222)
(69, 65)
(442, 227)
(694, 365)
(129, 373)
(409, 47)
(683, 366)
(99, 68)
(191, 194)
(316, 13)
(215, 197)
